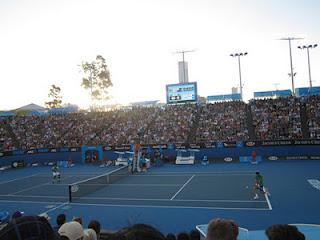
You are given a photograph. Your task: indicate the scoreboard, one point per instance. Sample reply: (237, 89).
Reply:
(182, 92)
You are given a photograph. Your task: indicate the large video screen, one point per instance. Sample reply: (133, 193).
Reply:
(182, 92)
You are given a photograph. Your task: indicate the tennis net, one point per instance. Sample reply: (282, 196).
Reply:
(88, 186)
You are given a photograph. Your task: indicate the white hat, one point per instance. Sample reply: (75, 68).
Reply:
(72, 230)
(45, 215)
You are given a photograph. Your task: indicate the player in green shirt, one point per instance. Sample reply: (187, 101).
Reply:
(258, 185)
(55, 174)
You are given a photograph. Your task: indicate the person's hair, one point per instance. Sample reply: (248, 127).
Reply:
(284, 232)
(183, 236)
(28, 228)
(222, 229)
(140, 232)
(77, 219)
(61, 219)
(194, 234)
(171, 236)
(95, 225)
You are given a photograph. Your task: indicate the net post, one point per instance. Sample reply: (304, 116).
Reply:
(70, 197)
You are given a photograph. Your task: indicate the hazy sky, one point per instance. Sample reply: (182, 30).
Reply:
(42, 42)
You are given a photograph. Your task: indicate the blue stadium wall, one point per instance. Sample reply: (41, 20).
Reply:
(225, 151)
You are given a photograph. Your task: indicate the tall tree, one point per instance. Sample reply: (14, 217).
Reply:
(55, 97)
(96, 78)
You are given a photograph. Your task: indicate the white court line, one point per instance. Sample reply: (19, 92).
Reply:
(39, 185)
(154, 206)
(175, 200)
(52, 209)
(26, 189)
(16, 179)
(268, 201)
(182, 187)
(134, 206)
(32, 196)
(122, 184)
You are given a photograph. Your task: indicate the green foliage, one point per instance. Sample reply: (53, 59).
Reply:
(96, 78)
(55, 97)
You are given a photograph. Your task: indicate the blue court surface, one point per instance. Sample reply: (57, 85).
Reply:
(172, 198)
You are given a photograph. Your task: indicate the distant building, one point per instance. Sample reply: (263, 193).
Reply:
(234, 90)
(183, 72)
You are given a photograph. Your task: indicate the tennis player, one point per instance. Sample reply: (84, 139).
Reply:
(55, 173)
(258, 185)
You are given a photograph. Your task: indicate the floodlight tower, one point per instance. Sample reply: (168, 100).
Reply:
(308, 47)
(289, 39)
(238, 55)
(183, 61)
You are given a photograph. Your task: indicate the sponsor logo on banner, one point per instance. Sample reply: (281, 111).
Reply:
(30, 151)
(53, 150)
(228, 159)
(250, 144)
(73, 149)
(273, 158)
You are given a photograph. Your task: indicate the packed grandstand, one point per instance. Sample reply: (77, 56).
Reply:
(268, 119)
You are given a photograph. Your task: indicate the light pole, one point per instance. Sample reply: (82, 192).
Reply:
(291, 67)
(308, 47)
(238, 55)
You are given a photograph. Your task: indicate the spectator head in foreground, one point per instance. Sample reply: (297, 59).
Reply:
(90, 234)
(71, 231)
(28, 228)
(96, 226)
(61, 219)
(77, 219)
(195, 234)
(139, 232)
(222, 229)
(17, 214)
(284, 232)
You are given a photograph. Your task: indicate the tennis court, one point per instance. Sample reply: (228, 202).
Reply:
(222, 190)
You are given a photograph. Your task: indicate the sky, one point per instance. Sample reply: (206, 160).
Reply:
(43, 42)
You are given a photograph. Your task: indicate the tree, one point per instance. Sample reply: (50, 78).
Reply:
(55, 95)
(96, 78)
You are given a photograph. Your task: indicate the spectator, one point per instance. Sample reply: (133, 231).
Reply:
(77, 219)
(60, 220)
(171, 236)
(222, 229)
(284, 232)
(28, 227)
(71, 231)
(139, 232)
(90, 234)
(183, 236)
(194, 234)
(17, 214)
(96, 226)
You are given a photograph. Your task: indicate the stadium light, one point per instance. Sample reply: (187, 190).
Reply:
(289, 39)
(238, 55)
(308, 47)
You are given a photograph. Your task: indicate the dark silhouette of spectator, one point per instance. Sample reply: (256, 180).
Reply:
(222, 229)
(194, 234)
(139, 232)
(284, 232)
(96, 226)
(183, 236)
(171, 236)
(60, 220)
(28, 228)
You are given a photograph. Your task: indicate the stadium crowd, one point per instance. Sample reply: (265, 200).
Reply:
(24, 227)
(271, 119)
